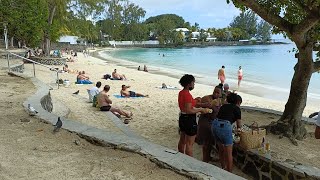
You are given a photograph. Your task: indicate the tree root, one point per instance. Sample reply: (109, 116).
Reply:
(285, 128)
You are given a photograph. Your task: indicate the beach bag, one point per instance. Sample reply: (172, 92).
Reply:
(252, 139)
(107, 76)
(60, 81)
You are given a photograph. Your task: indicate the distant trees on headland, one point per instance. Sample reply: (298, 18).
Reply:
(38, 22)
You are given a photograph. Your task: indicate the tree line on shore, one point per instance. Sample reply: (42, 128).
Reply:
(38, 22)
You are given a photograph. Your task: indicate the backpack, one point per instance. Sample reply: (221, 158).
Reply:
(94, 101)
(107, 76)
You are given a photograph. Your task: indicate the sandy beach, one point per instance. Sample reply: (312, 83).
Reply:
(29, 149)
(155, 118)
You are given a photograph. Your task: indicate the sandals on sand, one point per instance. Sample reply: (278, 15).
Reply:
(126, 121)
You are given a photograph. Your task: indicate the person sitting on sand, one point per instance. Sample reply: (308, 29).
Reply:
(83, 79)
(85, 76)
(94, 91)
(145, 68)
(70, 59)
(117, 76)
(104, 102)
(317, 131)
(139, 68)
(126, 93)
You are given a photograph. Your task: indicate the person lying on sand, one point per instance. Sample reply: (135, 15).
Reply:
(68, 70)
(117, 76)
(104, 103)
(126, 93)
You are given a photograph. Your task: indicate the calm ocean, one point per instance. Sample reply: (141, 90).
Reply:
(267, 69)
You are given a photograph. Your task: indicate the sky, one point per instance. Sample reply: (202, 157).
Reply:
(207, 13)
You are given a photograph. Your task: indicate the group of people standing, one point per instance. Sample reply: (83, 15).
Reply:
(222, 75)
(219, 111)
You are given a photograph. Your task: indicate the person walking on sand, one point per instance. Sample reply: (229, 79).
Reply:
(187, 119)
(240, 76)
(221, 75)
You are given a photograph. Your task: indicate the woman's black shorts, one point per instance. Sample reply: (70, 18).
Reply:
(188, 124)
(105, 108)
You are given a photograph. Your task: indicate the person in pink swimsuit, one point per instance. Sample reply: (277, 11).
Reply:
(221, 75)
(240, 76)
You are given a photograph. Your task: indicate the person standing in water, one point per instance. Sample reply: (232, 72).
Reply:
(240, 76)
(221, 75)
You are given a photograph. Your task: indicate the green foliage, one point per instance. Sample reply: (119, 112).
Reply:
(300, 21)
(237, 33)
(123, 21)
(203, 35)
(264, 31)
(246, 21)
(176, 20)
(24, 25)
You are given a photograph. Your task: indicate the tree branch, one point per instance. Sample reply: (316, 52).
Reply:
(267, 15)
(316, 66)
(309, 22)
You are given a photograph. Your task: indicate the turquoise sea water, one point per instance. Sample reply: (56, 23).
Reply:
(267, 69)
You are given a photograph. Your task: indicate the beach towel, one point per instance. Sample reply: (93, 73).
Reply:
(83, 82)
(119, 96)
(168, 87)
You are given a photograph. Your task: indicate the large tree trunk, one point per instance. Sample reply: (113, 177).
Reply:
(290, 123)
(47, 43)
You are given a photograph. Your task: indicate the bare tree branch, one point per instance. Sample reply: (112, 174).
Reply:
(267, 15)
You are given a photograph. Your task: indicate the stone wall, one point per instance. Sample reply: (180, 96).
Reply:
(74, 47)
(46, 102)
(263, 167)
(50, 61)
(17, 68)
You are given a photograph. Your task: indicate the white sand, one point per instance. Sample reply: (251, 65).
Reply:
(29, 150)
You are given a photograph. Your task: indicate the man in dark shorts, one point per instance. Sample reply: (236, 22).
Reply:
(126, 93)
(104, 103)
